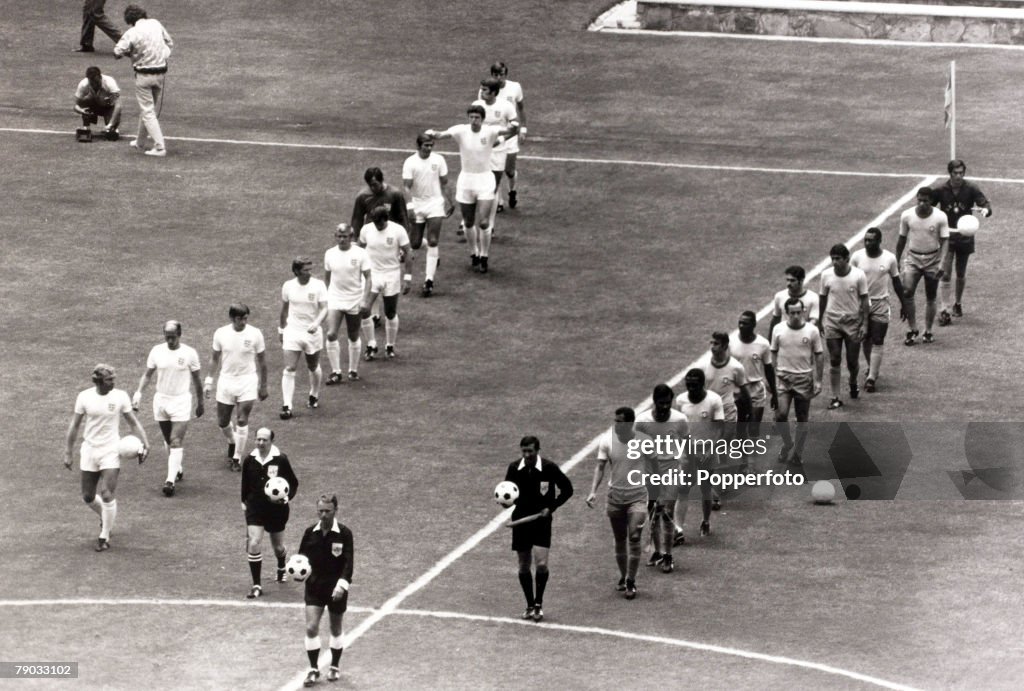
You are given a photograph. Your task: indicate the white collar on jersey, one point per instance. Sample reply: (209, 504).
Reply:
(335, 528)
(522, 463)
(274, 452)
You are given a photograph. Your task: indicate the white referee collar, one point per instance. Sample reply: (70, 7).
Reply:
(274, 452)
(522, 463)
(334, 527)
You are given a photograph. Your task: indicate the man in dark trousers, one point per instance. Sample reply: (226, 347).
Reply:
(537, 479)
(94, 18)
(328, 546)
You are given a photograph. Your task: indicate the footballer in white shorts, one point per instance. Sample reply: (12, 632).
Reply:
(337, 306)
(758, 393)
(881, 311)
(300, 340)
(432, 208)
(174, 408)
(93, 459)
(232, 390)
(387, 284)
(474, 187)
(498, 161)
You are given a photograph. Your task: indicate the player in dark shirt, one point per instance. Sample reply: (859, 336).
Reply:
(262, 514)
(537, 479)
(378, 194)
(328, 546)
(957, 197)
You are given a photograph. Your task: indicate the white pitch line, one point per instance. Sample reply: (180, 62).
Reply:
(558, 159)
(886, 42)
(163, 602)
(646, 638)
(391, 605)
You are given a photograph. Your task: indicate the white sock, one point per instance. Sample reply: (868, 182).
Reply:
(241, 435)
(287, 387)
(946, 295)
(316, 377)
(313, 643)
(355, 348)
(433, 257)
(108, 514)
(391, 330)
(334, 355)
(368, 337)
(473, 236)
(175, 457)
(875, 362)
(336, 642)
(485, 241)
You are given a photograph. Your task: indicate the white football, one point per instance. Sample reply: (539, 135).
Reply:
(506, 493)
(298, 567)
(129, 447)
(276, 490)
(967, 225)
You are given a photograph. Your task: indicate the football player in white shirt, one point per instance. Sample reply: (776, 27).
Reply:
(512, 93)
(425, 177)
(303, 309)
(499, 113)
(176, 366)
(347, 275)
(387, 245)
(243, 378)
(794, 289)
(880, 267)
(755, 354)
(706, 416)
(475, 186)
(799, 363)
(844, 318)
(924, 232)
(102, 407)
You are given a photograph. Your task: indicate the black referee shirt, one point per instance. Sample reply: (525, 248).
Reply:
(537, 483)
(330, 555)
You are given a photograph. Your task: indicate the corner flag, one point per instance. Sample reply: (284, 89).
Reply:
(949, 116)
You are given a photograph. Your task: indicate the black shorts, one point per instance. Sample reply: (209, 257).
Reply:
(317, 596)
(533, 534)
(271, 518)
(960, 244)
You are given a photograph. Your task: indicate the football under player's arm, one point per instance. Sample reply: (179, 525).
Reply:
(138, 431)
(143, 382)
(69, 438)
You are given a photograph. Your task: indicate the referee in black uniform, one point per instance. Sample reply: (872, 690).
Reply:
(537, 479)
(328, 546)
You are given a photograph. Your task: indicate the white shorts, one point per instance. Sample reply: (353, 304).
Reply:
(429, 208)
(232, 390)
(95, 459)
(387, 284)
(881, 311)
(344, 306)
(512, 145)
(302, 341)
(758, 393)
(176, 408)
(498, 160)
(474, 187)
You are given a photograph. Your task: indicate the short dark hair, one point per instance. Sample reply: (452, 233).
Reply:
(134, 13)
(300, 262)
(93, 71)
(796, 272)
(498, 67)
(373, 173)
(720, 337)
(925, 190)
(662, 391)
(696, 373)
(238, 309)
(423, 137)
(839, 249)
(174, 325)
(479, 110)
(956, 163)
(378, 213)
(794, 301)
(101, 370)
(874, 230)
(328, 499)
(491, 84)
(749, 313)
(627, 413)
(530, 440)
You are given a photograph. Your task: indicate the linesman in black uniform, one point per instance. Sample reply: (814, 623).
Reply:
(262, 514)
(537, 479)
(328, 546)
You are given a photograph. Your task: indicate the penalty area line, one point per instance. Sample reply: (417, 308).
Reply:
(391, 606)
(821, 172)
(664, 640)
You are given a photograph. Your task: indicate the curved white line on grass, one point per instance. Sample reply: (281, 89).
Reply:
(560, 159)
(888, 42)
(664, 640)
(162, 602)
(391, 605)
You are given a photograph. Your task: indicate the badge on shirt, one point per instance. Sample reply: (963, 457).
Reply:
(805, 340)
(181, 362)
(390, 241)
(247, 343)
(271, 471)
(110, 407)
(354, 262)
(311, 297)
(703, 413)
(544, 485)
(337, 548)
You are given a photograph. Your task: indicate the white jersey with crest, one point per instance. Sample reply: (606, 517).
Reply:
(102, 415)
(500, 114)
(238, 349)
(383, 246)
(347, 268)
(426, 174)
(174, 368)
(303, 301)
(475, 147)
(879, 272)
